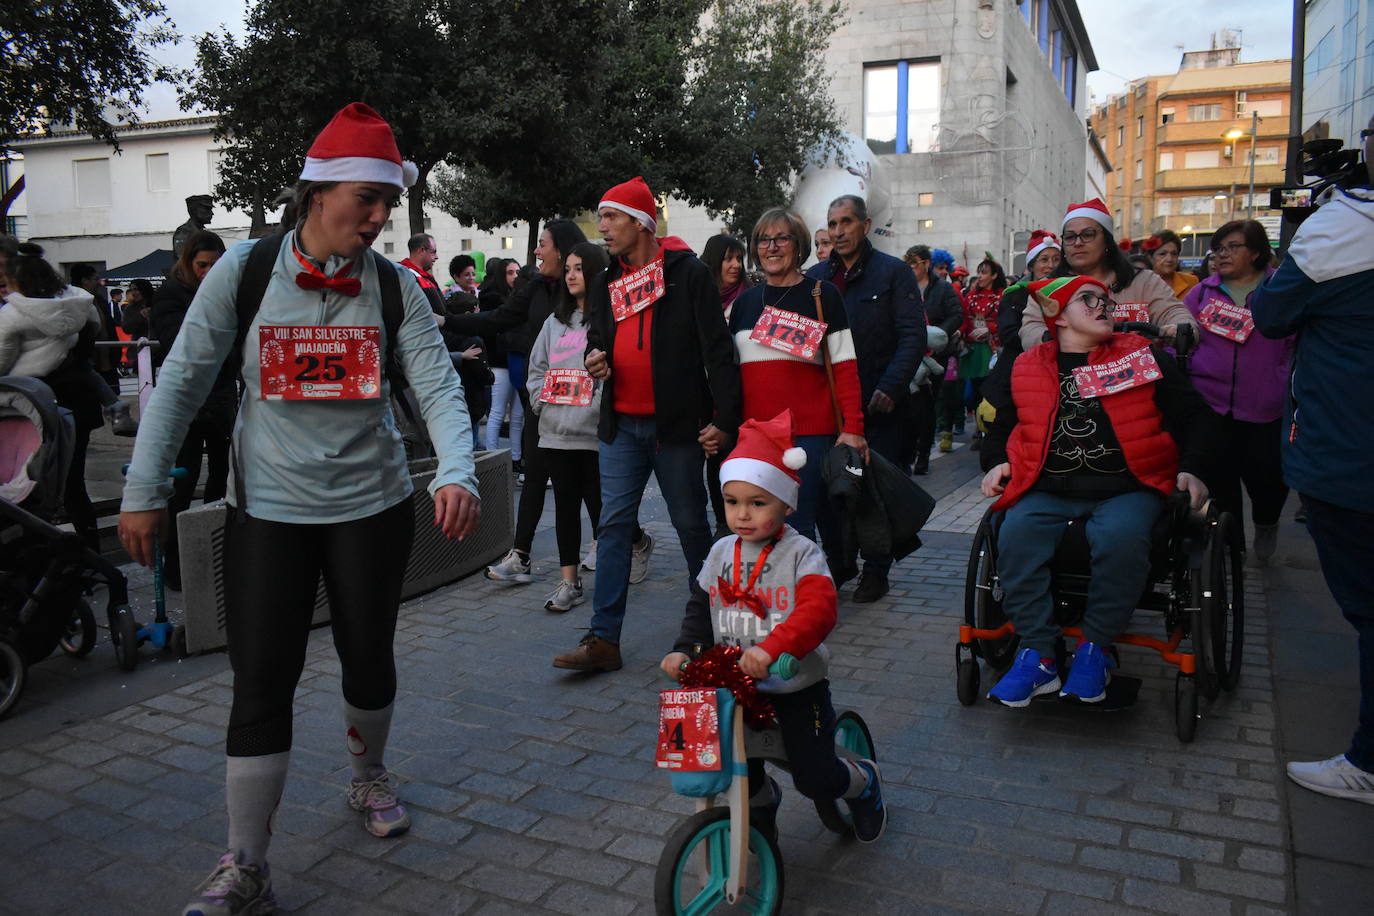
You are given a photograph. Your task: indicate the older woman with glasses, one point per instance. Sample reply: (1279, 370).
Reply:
(1163, 249)
(1243, 376)
(1091, 250)
(781, 369)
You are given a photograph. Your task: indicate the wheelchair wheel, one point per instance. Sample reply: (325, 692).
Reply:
(1185, 706)
(967, 675)
(983, 598)
(124, 632)
(1223, 601)
(852, 735)
(13, 675)
(695, 865)
(78, 637)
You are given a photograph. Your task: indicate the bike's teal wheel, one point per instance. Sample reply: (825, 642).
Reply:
(680, 887)
(852, 739)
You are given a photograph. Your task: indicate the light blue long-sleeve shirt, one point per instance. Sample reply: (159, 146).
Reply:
(303, 462)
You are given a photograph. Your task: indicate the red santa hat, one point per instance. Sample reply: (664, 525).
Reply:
(1040, 240)
(1093, 209)
(1053, 294)
(766, 457)
(635, 198)
(358, 145)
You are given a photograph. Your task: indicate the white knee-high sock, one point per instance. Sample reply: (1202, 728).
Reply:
(367, 731)
(252, 791)
(858, 780)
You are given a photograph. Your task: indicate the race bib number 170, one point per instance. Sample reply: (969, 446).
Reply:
(310, 363)
(636, 291)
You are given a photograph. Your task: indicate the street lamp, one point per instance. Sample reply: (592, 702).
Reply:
(1235, 134)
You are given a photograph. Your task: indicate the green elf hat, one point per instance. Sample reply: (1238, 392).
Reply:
(1054, 293)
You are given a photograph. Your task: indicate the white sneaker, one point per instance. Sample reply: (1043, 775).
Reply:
(589, 561)
(565, 597)
(639, 559)
(1337, 777)
(512, 568)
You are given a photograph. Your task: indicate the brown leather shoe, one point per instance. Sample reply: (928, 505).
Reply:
(592, 654)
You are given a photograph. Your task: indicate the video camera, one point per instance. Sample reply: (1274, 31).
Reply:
(1332, 165)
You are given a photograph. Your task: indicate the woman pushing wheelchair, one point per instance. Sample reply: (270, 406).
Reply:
(1102, 427)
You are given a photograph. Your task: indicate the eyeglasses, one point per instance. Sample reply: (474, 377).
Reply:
(1229, 250)
(1086, 236)
(774, 241)
(1094, 301)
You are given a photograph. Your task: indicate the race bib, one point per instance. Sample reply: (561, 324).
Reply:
(688, 731)
(1130, 371)
(568, 387)
(1131, 311)
(793, 334)
(310, 363)
(1227, 319)
(635, 292)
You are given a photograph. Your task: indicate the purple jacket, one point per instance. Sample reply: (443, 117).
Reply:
(1247, 381)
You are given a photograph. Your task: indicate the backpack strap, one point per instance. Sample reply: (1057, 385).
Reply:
(393, 311)
(257, 273)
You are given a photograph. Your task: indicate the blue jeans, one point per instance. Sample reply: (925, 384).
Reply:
(1345, 546)
(1118, 533)
(813, 508)
(625, 466)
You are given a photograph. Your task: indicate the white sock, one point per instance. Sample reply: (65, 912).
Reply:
(252, 791)
(858, 780)
(366, 738)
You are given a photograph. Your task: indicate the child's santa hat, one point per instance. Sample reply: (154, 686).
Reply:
(766, 457)
(1040, 240)
(1093, 209)
(1053, 294)
(635, 198)
(358, 145)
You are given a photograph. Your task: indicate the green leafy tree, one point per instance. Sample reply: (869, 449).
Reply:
(300, 62)
(85, 65)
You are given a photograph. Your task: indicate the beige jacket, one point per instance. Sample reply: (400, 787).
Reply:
(1147, 292)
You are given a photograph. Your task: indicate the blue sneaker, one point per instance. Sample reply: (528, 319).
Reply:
(1028, 678)
(1089, 675)
(868, 811)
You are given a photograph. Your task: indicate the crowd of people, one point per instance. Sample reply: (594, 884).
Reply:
(732, 378)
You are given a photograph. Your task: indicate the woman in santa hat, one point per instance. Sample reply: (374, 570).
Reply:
(320, 485)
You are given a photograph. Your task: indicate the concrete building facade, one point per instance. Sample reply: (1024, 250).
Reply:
(1180, 146)
(1338, 69)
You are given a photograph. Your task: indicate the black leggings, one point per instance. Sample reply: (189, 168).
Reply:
(576, 480)
(272, 573)
(1250, 455)
(807, 722)
(536, 461)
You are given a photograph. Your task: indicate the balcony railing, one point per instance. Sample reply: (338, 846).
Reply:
(1218, 178)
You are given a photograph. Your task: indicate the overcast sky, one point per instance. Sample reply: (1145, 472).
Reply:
(1130, 40)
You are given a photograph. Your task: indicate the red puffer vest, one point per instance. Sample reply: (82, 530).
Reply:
(1151, 453)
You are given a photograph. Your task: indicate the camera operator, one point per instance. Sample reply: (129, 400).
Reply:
(1324, 292)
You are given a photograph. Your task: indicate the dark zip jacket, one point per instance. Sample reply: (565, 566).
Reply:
(694, 367)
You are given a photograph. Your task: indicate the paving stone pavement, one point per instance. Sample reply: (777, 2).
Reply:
(533, 791)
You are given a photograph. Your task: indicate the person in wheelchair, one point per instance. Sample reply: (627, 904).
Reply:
(768, 589)
(1102, 427)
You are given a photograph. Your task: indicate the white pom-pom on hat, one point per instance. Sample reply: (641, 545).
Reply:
(794, 458)
(410, 172)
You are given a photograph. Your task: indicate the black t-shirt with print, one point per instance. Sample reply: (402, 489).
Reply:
(1085, 457)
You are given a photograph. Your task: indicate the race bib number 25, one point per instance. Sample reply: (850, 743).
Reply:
(310, 363)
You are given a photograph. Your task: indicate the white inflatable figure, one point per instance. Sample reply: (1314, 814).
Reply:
(856, 170)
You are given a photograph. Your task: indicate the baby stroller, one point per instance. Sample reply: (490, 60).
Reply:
(45, 571)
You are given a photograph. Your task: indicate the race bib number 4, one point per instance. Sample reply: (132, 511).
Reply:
(568, 387)
(688, 731)
(1227, 319)
(1131, 311)
(789, 332)
(1130, 371)
(309, 363)
(635, 292)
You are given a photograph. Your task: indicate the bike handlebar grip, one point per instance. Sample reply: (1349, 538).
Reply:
(178, 473)
(785, 666)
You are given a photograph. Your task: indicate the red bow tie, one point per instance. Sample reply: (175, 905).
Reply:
(741, 597)
(344, 286)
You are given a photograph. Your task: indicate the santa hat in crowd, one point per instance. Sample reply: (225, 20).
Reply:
(1093, 209)
(765, 456)
(635, 198)
(1053, 294)
(1040, 240)
(358, 145)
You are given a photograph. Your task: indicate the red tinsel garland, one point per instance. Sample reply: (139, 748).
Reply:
(718, 666)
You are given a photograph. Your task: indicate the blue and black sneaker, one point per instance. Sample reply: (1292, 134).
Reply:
(868, 811)
(1030, 676)
(1089, 675)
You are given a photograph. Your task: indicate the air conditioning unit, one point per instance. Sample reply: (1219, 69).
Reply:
(1226, 151)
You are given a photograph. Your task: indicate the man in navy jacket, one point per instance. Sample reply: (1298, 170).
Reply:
(1324, 292)
(888, 324)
